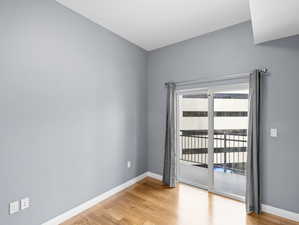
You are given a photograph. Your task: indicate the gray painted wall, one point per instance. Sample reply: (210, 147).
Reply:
(74, 106)
(231, 51)
(73, 109)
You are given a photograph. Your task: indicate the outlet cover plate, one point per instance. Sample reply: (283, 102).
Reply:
(273, 132)
(129, 164)
(14, 207)
(25, 203)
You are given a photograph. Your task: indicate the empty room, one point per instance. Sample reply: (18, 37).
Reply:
(148, 112)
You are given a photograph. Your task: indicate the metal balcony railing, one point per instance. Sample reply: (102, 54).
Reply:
(229, 149)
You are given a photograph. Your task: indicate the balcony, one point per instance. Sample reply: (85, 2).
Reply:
(229, 149)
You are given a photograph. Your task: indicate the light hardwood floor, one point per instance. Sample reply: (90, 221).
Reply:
(150, 203)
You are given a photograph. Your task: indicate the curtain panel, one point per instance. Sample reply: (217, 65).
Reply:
(253, 193)
(169, 171)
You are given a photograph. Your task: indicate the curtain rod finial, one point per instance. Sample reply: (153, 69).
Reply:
(264, 70)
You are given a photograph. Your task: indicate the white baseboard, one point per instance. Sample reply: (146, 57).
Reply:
(154, 175)
(281, 212)
(86, 205)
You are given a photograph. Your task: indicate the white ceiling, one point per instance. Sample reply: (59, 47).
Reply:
(274, 20)
(152, 24)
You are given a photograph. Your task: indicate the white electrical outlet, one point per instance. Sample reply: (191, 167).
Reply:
(129, 164)
(25, 203)
(273, 132)
(14, 207)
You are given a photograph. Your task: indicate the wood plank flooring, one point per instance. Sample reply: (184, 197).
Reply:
(150, 203)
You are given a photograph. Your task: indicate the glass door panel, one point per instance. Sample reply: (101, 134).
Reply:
(230, 141)
(193, 139)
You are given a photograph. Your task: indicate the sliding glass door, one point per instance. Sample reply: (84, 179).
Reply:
(212, 138)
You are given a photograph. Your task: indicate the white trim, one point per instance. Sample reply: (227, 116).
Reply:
(86, 205)
(194, 184)
(154, 175)
(204, 80)
(281, 212)
(178, 149)
(228, 195)
(211, 139)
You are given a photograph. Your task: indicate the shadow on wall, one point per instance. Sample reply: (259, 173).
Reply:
(289, 43)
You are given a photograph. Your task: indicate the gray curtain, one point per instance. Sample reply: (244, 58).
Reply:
(169, 171)
(253, 196)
